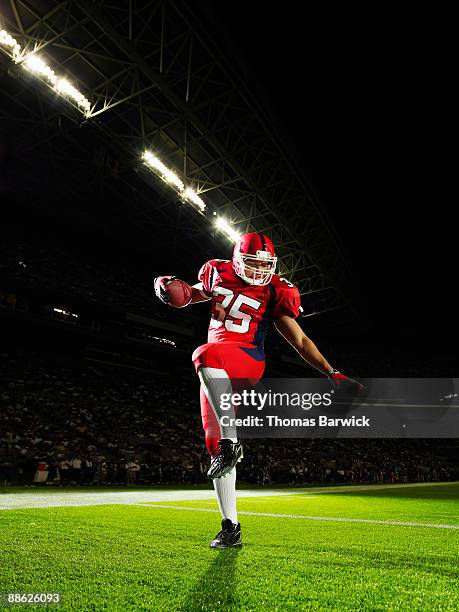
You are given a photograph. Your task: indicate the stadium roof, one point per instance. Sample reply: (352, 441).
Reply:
(156, 80)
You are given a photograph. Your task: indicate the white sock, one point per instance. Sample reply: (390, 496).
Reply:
(213, 391)
(225, 488)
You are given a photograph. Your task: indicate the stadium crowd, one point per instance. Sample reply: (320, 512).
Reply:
(85, 423)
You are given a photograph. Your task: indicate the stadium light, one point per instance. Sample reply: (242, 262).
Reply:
(67, 89)
(223, 225)
(163, 171)
(167, 175)
(163, 340)
(38, 67)
(66, 313)
(6, 40)
(190, 194)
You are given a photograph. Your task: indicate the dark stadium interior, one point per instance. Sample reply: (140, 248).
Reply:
(94, 368)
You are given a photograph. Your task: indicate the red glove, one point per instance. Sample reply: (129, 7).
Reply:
(160, 283)
(343, 383)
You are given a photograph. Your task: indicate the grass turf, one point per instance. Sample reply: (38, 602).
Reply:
(147, 558)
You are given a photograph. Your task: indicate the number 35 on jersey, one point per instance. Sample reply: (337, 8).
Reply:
(243, 312)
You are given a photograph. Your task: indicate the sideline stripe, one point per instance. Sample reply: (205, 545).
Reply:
(311, 518)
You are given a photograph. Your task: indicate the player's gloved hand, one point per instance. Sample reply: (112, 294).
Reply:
(345, 384)
(160, 283)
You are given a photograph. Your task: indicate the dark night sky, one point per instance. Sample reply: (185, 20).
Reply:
(363, 103)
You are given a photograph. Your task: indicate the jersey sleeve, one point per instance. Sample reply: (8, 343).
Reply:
(206, 278)
(288, 303)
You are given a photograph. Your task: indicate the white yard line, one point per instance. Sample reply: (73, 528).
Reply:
(62, 498)
(74, 498)
(314, 518)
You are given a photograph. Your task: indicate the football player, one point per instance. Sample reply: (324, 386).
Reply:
(247, 296)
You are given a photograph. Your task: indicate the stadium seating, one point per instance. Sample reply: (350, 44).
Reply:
(57, 410)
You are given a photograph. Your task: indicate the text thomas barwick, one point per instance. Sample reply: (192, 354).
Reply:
(272, 420)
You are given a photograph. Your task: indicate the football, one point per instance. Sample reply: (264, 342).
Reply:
(179, 293)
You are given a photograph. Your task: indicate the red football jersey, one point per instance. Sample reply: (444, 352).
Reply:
(243, 312)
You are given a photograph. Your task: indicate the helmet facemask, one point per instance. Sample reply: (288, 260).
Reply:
(244, 263)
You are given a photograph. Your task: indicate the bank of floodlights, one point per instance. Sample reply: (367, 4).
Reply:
(223, 225)
(10, 44)
(187, 194)
(39, 68)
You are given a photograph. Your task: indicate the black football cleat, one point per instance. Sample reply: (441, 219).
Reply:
(228, 455)
(229, 536)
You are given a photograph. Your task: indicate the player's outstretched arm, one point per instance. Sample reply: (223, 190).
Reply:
(292, 332)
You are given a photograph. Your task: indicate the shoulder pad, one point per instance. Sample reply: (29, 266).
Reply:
(281, 282)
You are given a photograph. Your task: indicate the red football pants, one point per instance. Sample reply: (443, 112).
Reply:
(239, 361)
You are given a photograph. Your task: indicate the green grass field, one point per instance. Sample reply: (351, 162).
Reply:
(155, 556)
